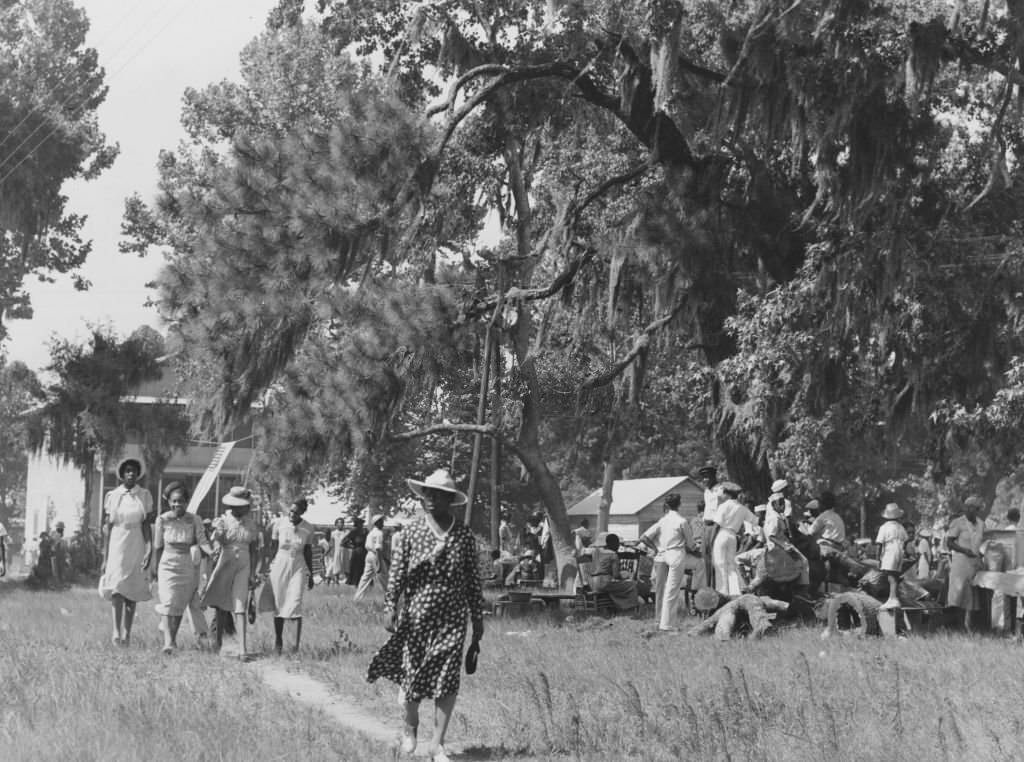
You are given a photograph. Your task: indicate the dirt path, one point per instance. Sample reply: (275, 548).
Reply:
(341, 709)
(345, 711)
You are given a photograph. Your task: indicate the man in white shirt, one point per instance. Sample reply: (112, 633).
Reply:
(712, 496)
(374, 567)
(671, 538)
(827, 528)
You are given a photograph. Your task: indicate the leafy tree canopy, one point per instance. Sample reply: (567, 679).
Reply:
(50, 89)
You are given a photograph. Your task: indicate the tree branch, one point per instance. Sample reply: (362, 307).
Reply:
(641, 342)
(486, 430)
(515, 293)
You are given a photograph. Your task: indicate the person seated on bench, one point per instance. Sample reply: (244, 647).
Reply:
(607, 577)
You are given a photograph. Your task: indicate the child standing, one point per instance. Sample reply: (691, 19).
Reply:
(891, 539)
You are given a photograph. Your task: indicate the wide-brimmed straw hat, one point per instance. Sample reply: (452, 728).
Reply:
(130, 462)
(375, 518)
(237, 496)
(440, 480)
(892, 511)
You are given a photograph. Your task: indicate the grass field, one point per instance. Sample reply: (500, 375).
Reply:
(594, 690)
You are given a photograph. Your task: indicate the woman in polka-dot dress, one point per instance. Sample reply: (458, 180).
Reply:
(434, 572)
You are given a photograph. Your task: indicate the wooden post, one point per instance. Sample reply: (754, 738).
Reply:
(496, 446)
(481, 412)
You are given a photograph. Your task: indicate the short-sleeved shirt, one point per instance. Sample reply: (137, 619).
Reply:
(712, 497)
(671, 532)
(829, 526)
(966, 534)
(891, 537)
(292, 537)
(776, 528)
(732, 515)
(375, 540)
(170, 529)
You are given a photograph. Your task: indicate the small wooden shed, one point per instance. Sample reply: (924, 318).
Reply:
(637, 504)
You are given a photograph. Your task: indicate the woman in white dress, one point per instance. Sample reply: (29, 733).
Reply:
(236, 533)
(291, 572)
(177, 536)
(128, 510)
(730, 516)
(963, 538)
(339, 553)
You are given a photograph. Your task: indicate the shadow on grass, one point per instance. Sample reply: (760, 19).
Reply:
(482, 753)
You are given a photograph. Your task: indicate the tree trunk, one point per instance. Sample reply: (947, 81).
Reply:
(611, 473)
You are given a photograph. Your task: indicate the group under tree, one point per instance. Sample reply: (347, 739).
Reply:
(789, 228)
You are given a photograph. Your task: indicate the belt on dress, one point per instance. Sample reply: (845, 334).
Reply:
(181, 547)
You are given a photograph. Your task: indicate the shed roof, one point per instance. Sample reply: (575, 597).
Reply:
(630, 496)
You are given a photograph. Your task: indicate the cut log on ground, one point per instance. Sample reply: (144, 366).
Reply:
(852, 612)
(734, 616)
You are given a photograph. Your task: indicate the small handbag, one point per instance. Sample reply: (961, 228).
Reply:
(471, 657)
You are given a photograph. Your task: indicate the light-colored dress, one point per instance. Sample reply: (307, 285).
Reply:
(339, 554)
(730, 516)
(438, 581)
(891, 539)
(228, 589)
(177, 577)
(123, 575)
(288, 572)
(962, 568)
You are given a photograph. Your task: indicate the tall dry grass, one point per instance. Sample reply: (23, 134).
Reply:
(67, 694)
(592, 690)
(617, 690)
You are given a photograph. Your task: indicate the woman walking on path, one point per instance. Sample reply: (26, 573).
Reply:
(435, 574)
(177, 537)
(291, 573)
(128, 509)
(375, 567)
(235, 574)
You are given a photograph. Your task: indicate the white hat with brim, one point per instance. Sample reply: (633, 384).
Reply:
(441, 481)
(237, 497)
(134, 461)
(779, 484)
(892, 511)
(375, 518)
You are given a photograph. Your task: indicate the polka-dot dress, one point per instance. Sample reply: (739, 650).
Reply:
(438, 581)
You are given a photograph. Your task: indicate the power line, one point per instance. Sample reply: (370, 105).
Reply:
(121, 68)
(36, 109)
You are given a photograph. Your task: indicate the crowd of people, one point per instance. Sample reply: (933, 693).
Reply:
(784, 551)
(428, 571)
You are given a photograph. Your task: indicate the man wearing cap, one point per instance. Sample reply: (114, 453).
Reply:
(374, 567)
(712, 496)
(963, 538)
(782, 487)
(827, 527)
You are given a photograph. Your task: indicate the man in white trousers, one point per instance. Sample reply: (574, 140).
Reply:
(671, 537)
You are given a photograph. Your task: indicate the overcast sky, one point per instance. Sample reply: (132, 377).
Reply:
(152, 50)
